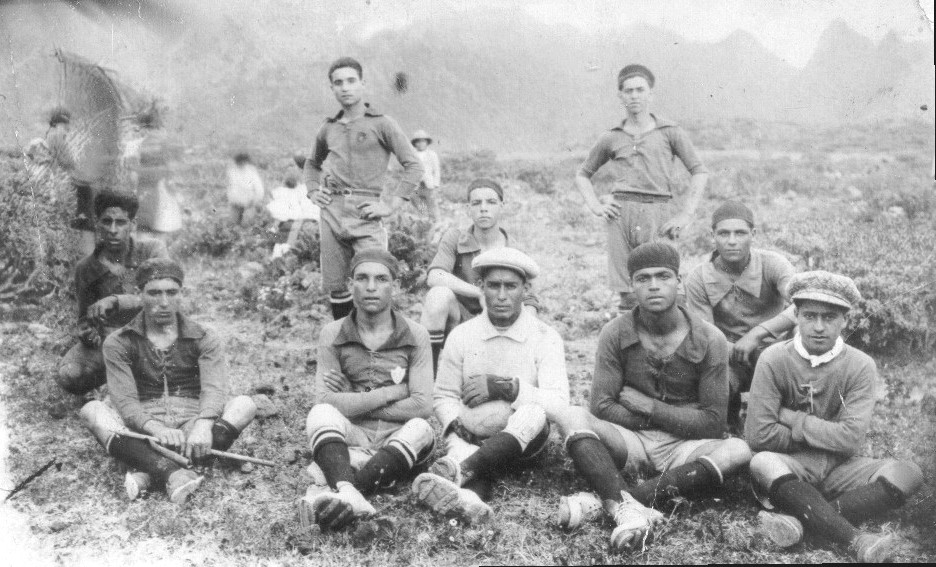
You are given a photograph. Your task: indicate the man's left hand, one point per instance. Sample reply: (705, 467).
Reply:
(742, 350)
(636, 401)
(374, 210)
(336, 381)
(674, 226)
(198, 442)
(482, 388)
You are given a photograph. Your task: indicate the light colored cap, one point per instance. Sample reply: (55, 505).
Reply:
(824, 287)
(509, 258)
(421, 135)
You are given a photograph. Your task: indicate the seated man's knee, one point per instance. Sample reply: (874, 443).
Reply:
(904, 476)
(767, 467)
(437, 304)
(572, 418)
(526, 423)
(240, 411)
(737, 452)
(324, 418)
(70, 377)
(101, 420)
(416, 439)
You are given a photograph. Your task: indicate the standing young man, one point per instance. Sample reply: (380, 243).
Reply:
(167, 378)
(641, 152)
(105, 287)
(502, 375)
(373, 391)
(810, 409)
(345, 173)
(658, 403)
(743, 292)
(454, 295)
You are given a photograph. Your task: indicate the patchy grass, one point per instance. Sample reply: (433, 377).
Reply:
(270, 316)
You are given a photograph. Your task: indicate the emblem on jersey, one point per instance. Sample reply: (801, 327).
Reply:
(397, 374)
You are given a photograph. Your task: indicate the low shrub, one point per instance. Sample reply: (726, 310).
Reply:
(217, 236)
(893, 262)
(410, 242)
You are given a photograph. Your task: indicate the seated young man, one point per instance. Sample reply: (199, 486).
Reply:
(501, 376)
(104, 285)
(810, 408)
(167, 378)
(743, 292)
(454, 296)
(658, 402)
(373, 392)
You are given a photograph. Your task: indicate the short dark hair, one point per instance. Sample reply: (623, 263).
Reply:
(290, 181)
(241, 158)
(485, 183)
(108, 198)
(342, 62)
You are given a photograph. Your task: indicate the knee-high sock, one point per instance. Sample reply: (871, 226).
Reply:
(387, 465)
(223, 435)
(341, 304)
(868, 501)
(436, 341)
(683, 480)
(593, 461)
(482, 486)
(800, 499)
(497, 452)
(333, 458)
(138, 454)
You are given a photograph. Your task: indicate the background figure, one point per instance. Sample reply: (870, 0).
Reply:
(291, 208)
(245, 187)
(426, 195)
(160, 213)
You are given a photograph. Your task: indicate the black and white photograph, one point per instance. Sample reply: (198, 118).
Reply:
(451, 282)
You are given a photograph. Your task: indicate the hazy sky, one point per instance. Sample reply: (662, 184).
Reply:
(790, 28)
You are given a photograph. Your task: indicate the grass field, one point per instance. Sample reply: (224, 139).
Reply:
(270, 315)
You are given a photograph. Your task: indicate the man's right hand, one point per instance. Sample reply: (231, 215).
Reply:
(322, 197)
(608, 210)
(88, 335)
(336, 381)
(100, 309)
(166, 436)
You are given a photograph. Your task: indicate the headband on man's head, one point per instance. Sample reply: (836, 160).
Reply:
(378, 256)
(486, 183)
(158, 269)
(635, 70)
(653, 255)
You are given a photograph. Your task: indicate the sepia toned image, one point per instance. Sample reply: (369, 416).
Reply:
(419, 282)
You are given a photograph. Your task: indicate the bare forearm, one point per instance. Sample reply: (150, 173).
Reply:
(696, 190)
(585, 187)
(441, 278)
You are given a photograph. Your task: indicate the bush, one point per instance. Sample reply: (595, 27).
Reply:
(410, 242)
(891, 261)
(216, 236)
(37, 248)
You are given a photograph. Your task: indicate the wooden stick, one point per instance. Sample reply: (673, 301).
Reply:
(177, 458)
(215, 452)
(30, 478)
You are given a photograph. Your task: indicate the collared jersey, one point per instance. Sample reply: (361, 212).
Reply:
(643, 163)
(795, 406)
(405, 358)
(355, 155)
(529, 350)
(192, 367)
(457, 249)
(736, 303)
(94, 281)
(689, 388)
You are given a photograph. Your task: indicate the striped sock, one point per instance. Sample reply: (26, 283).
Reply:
(436, 341)
(341, 304)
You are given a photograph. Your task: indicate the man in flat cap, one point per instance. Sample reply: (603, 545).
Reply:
(106, 289)
(742, 291)
(373, 394)
(658, 402)
(810, 408)
(345, 173)
(167, 378)
(640, 153)
(426, 195)
(501, 376)
(454, 295)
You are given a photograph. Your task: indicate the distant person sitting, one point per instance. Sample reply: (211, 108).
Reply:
(167, 379)
(245, 187)
(743, 292)
(104, 285)
(426, 195)
(454, 295)
(812, 399)
(290, 208)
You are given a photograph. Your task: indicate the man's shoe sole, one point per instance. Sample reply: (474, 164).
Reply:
(783, 530)
(181, 493)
